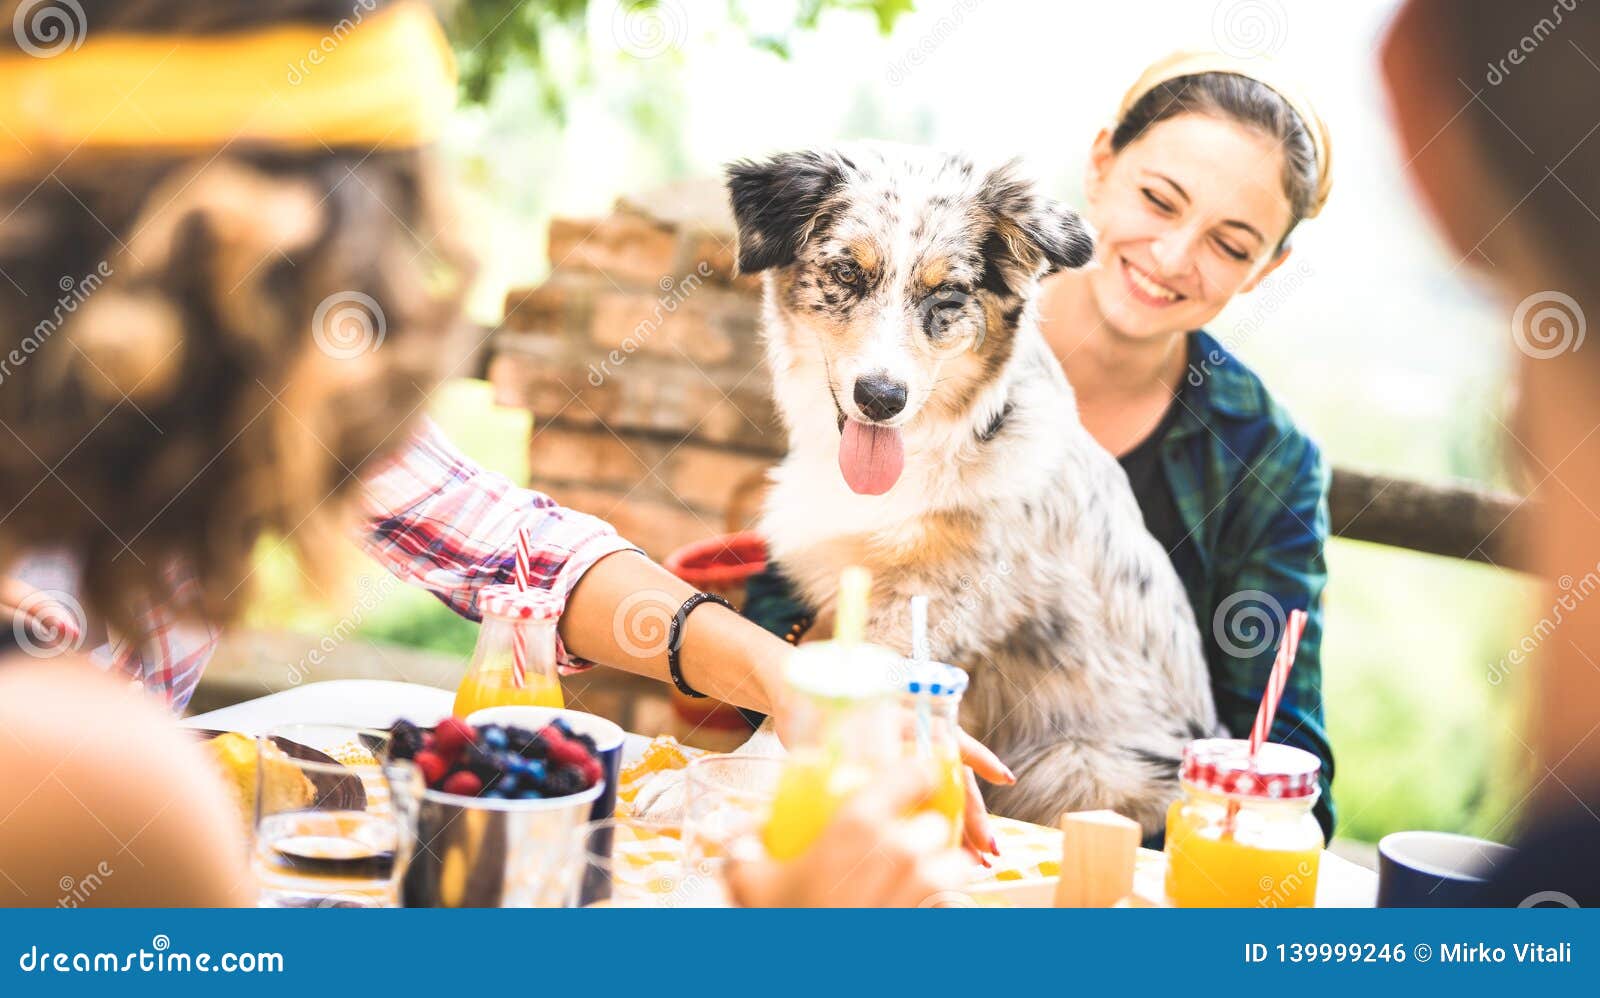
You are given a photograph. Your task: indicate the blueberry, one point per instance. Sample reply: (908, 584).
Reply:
(562, 782)
(508, 785)
(535, 748)
(534, 770)
(493, 737)
(586, 741)
(561, 726)
(494, 793)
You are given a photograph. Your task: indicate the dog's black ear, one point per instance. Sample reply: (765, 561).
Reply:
(1037, 230)
(776, 202)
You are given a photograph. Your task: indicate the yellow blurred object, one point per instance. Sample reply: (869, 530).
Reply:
(850, 613)
(284, 787)
(384, 82)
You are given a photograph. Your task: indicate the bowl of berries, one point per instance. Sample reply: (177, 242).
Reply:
(600, 737)
(497, 810)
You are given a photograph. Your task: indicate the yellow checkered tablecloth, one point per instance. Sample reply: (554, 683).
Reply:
(1026, 851)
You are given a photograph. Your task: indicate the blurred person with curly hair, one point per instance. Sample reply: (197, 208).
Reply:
(228, 290)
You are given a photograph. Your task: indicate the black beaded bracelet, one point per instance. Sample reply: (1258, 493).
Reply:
(675, 640)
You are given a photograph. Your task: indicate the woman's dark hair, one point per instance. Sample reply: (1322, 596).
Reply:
(196, 350)
(1240, 99)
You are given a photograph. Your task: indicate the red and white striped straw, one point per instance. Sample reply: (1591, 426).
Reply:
(1292, 629)
(519, 649)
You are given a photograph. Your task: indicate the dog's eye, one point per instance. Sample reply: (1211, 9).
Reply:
(942, 309)
(845, 272)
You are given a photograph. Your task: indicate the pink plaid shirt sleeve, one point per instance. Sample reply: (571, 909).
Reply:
(437, 520)
(434, 519)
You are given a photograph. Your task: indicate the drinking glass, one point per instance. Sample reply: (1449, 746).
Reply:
(729, 802)
(332, 823)
(637, 863)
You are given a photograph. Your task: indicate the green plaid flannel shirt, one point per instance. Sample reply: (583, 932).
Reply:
(1252, 492)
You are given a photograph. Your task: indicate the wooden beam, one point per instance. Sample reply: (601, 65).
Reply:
(1451, 519)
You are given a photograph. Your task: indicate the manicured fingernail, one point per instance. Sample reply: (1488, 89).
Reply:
(994, 847)
(1010, 776)
(985, 861)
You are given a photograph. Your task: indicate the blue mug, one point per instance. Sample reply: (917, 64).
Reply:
(1435, 869)
(607, 737)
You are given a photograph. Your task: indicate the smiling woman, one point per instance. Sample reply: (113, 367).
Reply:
(1194, 191)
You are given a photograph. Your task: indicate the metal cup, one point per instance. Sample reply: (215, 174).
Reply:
(475, 852)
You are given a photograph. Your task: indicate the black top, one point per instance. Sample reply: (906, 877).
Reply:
(1145, 474)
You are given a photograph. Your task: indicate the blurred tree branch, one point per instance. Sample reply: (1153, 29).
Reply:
(493, 35)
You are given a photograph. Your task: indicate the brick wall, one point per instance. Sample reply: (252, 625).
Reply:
(640, 361)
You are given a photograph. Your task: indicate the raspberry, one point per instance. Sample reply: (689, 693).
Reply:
(432, 765)
(451, 735)
(591, 772)
(464, 783)
(568, 753)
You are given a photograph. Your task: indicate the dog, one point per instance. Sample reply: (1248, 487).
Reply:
(934, 439)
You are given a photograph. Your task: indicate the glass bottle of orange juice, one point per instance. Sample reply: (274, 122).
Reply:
(843, 729)
(514, 663)
(930, 702)
(1243, 835)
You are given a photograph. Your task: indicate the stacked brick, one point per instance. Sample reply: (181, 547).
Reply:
(640, 360)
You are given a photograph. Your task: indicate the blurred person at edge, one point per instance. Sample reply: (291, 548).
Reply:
(191, 403)
(1499, 138)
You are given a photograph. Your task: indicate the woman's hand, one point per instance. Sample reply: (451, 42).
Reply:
(978, 835)
(870, 856)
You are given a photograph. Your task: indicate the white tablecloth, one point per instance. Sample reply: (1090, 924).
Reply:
(368, 703)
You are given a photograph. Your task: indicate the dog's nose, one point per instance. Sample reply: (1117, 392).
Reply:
(878, 397)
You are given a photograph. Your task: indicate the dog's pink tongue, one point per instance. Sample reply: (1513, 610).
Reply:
(871, 457)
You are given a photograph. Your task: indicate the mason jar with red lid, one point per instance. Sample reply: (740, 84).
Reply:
(1243, 835)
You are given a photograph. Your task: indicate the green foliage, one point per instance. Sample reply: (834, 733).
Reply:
(492, 36)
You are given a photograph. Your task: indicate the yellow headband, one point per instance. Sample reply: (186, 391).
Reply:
(1181, 64)
(384, 81)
